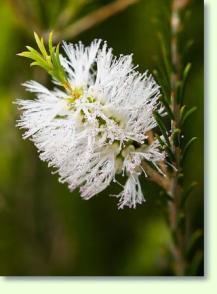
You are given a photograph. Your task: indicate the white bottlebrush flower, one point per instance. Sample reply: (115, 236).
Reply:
(132, 193)
(99, 127)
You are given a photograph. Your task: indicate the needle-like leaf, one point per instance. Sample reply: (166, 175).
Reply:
(48, 60)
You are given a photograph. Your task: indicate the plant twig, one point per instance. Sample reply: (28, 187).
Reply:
(163, 182)
(175, 190)
(170, 183)
(93, 18)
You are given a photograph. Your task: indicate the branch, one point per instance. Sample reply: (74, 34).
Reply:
(93, 19)
(174, 210)
(155, 177)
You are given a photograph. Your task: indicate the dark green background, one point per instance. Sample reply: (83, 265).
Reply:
(45, 229)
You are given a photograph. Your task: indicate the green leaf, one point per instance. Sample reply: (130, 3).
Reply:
(186, 148)
(182, 111)
(49, 61)
(187, 47)
(186, 72)
(40, 43)
(165, 55)
(187, 193)
(176, 136)
(183, 83)
(164, 78)
(25, 54)
(164, 100)
(161, 126)
(165, 84)
(196, 236)
(166, 148)
(162, 143)
(170, 153)
(187, 113)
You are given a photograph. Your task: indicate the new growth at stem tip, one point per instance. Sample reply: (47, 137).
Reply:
(48, 59)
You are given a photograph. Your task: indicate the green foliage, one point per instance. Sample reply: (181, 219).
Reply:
(193, 254)
(187, 193)
(49, 61)
(186, 114)
(196, 236)
(165, 57)
(187, 147)
(176, 136)
(173, 75)
(162, 127)
(165, 102)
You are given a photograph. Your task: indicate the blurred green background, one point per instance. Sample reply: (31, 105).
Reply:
(45, 229)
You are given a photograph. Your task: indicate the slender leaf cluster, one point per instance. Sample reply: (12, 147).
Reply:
(49, 59)
(173, 77)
